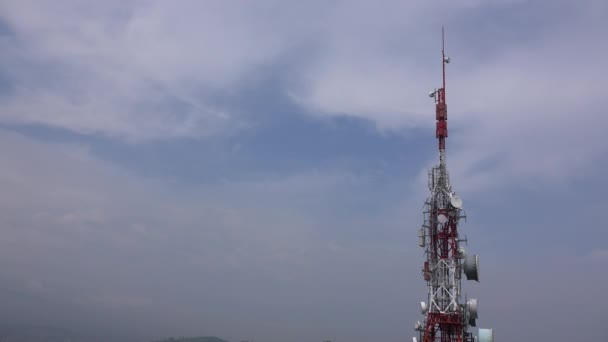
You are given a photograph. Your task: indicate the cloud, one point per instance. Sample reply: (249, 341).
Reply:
(132, 70)
(317, 243)
(99, 241)
(129, 70)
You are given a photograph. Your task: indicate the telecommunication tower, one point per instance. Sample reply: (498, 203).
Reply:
(446, 318)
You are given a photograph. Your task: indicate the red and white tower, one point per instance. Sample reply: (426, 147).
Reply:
(446, 318)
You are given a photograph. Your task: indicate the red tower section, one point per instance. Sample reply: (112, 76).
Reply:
(441, 108)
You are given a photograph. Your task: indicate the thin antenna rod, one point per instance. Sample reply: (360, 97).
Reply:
(443, 58)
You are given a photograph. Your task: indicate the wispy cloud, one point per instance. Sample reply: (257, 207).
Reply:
(106, 241)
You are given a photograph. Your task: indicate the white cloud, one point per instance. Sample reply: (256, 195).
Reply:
(145, 70)
(531, 112)
(534, 115)
(132, 70)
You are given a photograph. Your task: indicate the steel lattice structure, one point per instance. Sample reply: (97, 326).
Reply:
(446, 319)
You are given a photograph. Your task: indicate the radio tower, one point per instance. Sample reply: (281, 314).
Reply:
(446, 319)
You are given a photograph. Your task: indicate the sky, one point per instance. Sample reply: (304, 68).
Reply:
(256, 170)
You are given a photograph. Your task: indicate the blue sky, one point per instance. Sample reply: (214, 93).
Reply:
(256, 170)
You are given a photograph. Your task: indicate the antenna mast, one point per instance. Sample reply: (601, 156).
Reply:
(443, 58)
(446, 319)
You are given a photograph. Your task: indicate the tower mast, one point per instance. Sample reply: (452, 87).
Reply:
(446, 318)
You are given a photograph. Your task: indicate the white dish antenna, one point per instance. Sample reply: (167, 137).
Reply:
(472, 307)
(423, 308)
(442, 218)
(462, 253)
(456, 202)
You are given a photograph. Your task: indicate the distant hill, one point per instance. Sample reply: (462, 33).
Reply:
(41, 333)
(37, 334)
(193, 339)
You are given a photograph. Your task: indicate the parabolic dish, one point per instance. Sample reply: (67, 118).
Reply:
(472, 307)
(423, 308)
(442, 218)
(456, 202)
(471, 267)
